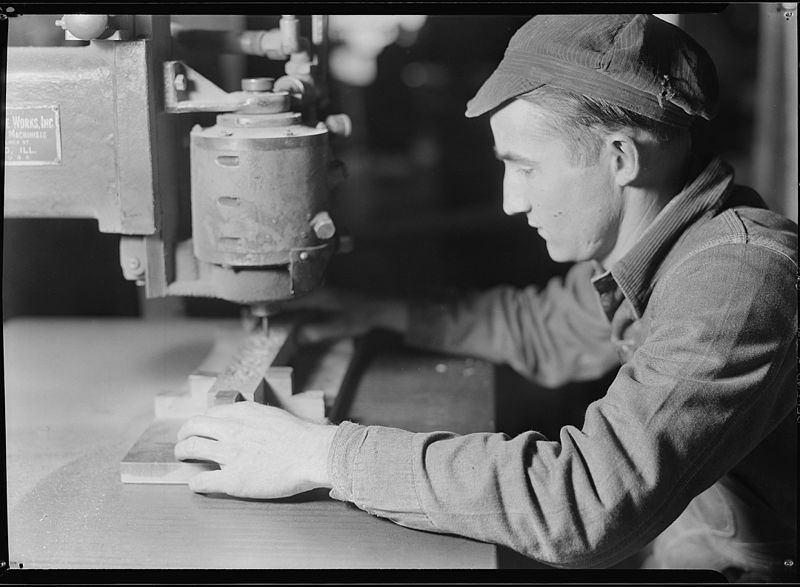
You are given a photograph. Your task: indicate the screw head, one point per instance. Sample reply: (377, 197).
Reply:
(134, 263)
(304, 256)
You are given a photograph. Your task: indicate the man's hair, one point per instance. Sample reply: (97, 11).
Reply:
(582, 121)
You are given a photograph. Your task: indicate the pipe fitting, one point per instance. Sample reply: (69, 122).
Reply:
(290, 34)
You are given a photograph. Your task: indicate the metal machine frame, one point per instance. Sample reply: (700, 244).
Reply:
(92, 132)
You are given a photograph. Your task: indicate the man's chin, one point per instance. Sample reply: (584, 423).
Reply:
(559, 255)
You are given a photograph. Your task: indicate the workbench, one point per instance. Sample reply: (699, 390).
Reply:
(79, 392)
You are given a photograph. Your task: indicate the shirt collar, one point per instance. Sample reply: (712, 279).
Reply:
(634, 274)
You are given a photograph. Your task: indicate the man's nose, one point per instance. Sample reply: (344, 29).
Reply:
(514, 202)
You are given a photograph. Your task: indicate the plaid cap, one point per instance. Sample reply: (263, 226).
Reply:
(636, 61)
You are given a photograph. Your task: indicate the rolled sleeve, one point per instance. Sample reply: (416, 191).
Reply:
(373, 467)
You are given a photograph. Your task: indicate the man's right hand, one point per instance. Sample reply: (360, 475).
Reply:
(341, 313)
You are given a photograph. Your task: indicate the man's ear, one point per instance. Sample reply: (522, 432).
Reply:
(625, 159)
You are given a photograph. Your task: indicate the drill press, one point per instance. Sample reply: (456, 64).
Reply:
(93, 132)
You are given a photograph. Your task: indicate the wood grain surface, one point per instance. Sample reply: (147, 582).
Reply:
(80, 392)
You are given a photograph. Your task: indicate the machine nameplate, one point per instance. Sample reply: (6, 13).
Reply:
(33, 135)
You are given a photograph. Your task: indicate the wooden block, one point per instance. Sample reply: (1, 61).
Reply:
(233, 370)
(217, 397)
(251, 362)
(177, 404)
(152, 460)
(280, 381)
(200, 382)
(226, 342)
(286, 344)
(224, 396)
(308, 404)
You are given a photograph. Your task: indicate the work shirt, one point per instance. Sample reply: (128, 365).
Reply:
(695, 439)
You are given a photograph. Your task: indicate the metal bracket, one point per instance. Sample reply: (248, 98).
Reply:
(185, 90)
(307, 266)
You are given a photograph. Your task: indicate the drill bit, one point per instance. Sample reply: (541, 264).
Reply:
(261, 314)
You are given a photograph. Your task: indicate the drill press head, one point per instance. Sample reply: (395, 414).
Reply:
(260, 200)
(261, 177)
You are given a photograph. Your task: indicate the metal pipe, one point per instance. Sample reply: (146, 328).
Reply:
(319, 40)
(290, 34)
(319, 29)
(266, 43)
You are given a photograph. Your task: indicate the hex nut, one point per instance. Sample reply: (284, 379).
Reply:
(180, 82)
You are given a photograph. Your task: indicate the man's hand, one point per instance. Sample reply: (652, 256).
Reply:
(346, 314)
(264, 452)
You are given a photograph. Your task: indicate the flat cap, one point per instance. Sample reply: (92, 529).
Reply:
(637, 61)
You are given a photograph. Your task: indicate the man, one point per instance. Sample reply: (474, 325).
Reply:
(683, 278)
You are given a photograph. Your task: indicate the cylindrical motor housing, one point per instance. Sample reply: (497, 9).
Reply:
(258, 180)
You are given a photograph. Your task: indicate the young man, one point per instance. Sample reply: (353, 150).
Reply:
(682, 277)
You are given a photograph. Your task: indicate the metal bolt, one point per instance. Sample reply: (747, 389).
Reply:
(258, 84)
(788, 563)
(304, 256)
(340, 125)
(323, 225)
(180, 82)
(134, 263)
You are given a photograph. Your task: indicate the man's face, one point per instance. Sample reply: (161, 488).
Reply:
(576, 209)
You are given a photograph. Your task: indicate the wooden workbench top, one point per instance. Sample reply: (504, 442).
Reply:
(79, 392)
